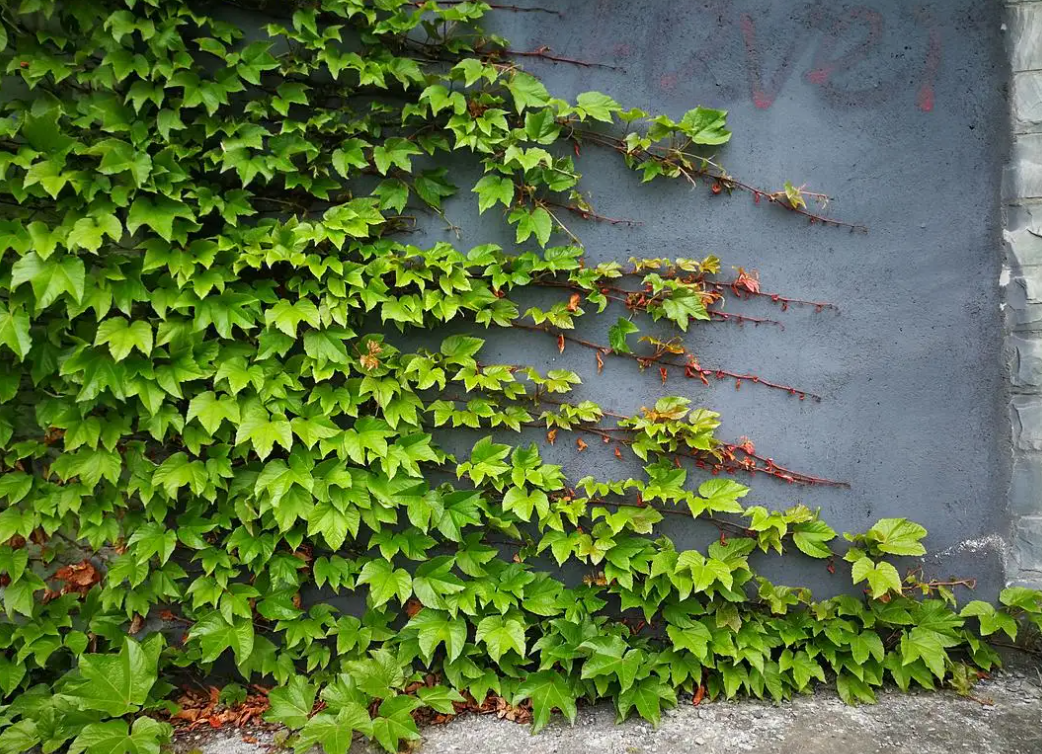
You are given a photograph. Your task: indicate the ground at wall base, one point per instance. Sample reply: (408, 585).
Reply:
(1006, 718)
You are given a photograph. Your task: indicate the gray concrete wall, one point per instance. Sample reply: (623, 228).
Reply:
(898, 110)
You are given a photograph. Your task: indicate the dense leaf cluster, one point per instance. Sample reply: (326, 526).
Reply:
(204, 415)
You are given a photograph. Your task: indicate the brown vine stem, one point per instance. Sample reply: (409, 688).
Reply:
(712, 171)
(597, 432)
(606, 291)
(743, 318)
(495, 6)
(589, 214)
(740, 293)
(731, 462)
(544, 53)
(785, 301)
(542, 398)
(632, 301)
(615, 504)
(691, 369)
(775, 469)
(545, 399)
(494, 57)
(931, 585)
(1019, 647)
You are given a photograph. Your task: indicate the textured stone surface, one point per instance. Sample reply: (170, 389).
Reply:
(1025, 35)
(1031, 279)
(1027, 422)
(1023, 245)
(1024, 216)
(1023, 178)
(1027, 360)
(1005, 719)
(1021, 314)
(1025, 491)
(1027, 537)
(1027, 101)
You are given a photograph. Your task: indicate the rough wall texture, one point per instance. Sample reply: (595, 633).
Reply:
(900, 111)
(1022, 276)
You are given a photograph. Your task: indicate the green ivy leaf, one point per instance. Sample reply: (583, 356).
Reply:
(704, 125)
(291, 704)
(394, 152)
(436, 627)
(864, 645)
(811, 538)
(434, 580)
(385, 581)
(394, 724)
(535, 222)
(898, 536)
(116, 684)
(684, 305)
(215, 634)
(212, 411)
(610, 657)
(617, 335)
(89, 232)
(852, 689)
(523, 503)
(14, 331)
(991, 620)
(527, 91)
(11, 675)
(333, 731)
(158, 213)
(493, 189)
(153, 538)
(597, 106)
(263, 430)
(440, 698)
(722, 495)
(118, 737)
(803, 667)
(51, 278)
(548, 690)
(882, 577)
(501, 635)
(122, 337)
(647, 696)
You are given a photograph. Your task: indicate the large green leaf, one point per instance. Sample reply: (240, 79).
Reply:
(385, 581)
(217, 634)
(14, 331)
(501, 635)
(394, 724)
(50, 278)
(291, 704)
(333, 731)
(548, 690)
(116, 684)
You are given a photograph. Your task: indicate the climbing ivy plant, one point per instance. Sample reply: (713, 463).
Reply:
(210, 428)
